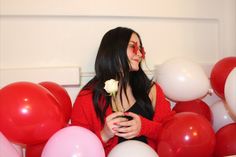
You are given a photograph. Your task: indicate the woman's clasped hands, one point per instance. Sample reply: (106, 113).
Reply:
(122, 124)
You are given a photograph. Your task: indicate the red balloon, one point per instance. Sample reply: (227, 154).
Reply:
(62, 96)
(34, 150)
(197, 106)
(187, 134)
(226, 141)
(219, 74)
(29, 114)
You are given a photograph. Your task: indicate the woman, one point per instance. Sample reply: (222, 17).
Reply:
(138, 107)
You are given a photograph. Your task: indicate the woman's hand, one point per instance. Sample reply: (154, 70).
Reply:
(129, 129)
(111, 125)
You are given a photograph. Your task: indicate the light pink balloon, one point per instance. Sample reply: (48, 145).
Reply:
(6, 148)
(19, 149)
(73, 141)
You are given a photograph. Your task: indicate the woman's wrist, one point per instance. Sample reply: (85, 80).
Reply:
(105, 137)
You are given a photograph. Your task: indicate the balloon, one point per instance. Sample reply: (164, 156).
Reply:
(19, 149)
(187, 134)
(230, 92)
(220, 114)
(34, 150)
(62, 96)
(219, 73)
(132, 148)
(182, 80)
(29, 114)
(73, 141)
(6, 148)
(226, 141)
(196, 106)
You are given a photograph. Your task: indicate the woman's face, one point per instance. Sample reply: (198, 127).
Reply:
(134, 52)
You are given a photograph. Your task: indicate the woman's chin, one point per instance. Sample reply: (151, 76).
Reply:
(134, 69)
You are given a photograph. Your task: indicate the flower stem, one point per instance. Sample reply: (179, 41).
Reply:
(114, 106)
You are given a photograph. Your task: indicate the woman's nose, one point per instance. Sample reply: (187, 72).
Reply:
(139, 53)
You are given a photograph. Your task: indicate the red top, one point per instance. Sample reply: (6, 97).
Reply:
(83, 114)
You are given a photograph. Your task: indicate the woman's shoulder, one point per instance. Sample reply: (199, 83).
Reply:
(85, 92)
(155, 87)
(88, 88)
(155, 92)
(152, 94)
(83, 95)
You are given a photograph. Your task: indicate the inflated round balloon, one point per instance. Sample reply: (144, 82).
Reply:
(132, 148)
(29, 114)
(197, 106)
(182, 80)
(186, 134)
(73, 141)
(219, 73)
(230, 92)
(221, 115)
(62, 96)
(6, 148)
(34, 150)
(226, 141)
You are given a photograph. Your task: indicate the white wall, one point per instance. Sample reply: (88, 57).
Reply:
(59, 34)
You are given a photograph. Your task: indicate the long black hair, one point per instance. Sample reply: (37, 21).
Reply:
(112, 63)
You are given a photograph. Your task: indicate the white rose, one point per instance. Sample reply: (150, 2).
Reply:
(111, 86)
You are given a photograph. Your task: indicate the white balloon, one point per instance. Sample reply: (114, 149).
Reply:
(230, 91)
(182, 80)
(132, 148)
(220, 114)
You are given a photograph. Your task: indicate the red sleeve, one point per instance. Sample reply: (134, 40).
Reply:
(151, 128)
(84, 115)
(79, 115)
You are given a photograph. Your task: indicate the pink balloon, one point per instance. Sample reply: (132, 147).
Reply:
(73, 141)
(6, 148)
(19, 149)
